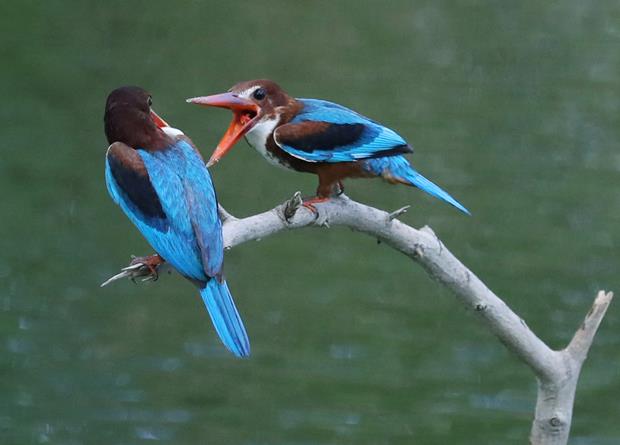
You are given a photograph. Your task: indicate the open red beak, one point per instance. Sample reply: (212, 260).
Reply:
(158, 120)
(245, 113)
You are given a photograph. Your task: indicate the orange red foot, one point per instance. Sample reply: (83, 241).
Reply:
(152, 262)
(309, 203)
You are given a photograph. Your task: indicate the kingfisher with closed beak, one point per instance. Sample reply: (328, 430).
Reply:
(159, 179)
(316, 136)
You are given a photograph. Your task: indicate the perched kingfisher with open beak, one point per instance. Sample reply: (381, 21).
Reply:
(159, 179)
(316, 136)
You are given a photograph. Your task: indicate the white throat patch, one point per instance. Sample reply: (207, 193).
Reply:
(172, 132)
(257, 138)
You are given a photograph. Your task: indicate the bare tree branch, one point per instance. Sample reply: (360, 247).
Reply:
(557, 372)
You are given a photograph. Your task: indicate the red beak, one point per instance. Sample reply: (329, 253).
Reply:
(244, 118)
(158, 120)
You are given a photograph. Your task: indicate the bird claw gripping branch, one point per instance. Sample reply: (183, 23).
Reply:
(146, 268)
(150, 262)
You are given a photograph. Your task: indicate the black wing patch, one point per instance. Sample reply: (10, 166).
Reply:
(133, 181)
(397, 150)
(310, 136)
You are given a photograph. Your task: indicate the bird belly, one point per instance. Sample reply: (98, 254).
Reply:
(257, 137)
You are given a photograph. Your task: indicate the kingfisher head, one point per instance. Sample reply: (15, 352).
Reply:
(130, 119)
(253, 103)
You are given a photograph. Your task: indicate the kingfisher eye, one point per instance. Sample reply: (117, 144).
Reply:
(150, 101)
(259, 94)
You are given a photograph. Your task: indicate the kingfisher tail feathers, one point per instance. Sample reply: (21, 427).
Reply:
(398, 169)
(225, 317)
(416, 179)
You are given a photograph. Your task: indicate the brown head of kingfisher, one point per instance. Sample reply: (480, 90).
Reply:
(160, 181)
(316, 136)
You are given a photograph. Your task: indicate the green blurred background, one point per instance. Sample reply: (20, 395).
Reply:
(512, 107)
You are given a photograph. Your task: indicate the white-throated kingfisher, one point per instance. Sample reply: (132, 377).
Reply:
(316, 136)
(159, 179)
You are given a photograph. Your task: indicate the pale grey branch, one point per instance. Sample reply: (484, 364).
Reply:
(557, 372)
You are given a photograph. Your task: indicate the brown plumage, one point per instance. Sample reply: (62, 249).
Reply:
(128, 119)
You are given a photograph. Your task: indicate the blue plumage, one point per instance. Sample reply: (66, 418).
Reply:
(190, 236)
(398, 169)
(187, 195)
(377, 147)
(372, 140)
(225, 317)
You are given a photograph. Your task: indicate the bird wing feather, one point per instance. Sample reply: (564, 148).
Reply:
(169, 196)
(327, 132)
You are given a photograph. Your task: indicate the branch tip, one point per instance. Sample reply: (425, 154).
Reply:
(583, 338)
(396, 213)
(291, 206)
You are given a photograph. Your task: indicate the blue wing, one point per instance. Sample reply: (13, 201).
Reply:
(327, 132)
(169, 196)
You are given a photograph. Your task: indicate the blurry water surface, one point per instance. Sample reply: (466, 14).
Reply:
(513, 108)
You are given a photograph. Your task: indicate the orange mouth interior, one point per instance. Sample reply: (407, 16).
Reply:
(242, 122)
(245, 116)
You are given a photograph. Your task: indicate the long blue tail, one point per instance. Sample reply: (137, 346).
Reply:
(225, 317)
(397, 168)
